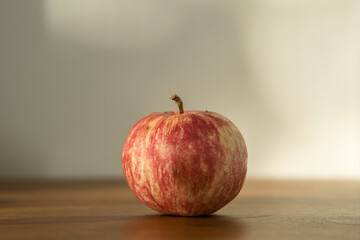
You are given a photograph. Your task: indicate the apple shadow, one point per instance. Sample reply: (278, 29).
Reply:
(175, 227)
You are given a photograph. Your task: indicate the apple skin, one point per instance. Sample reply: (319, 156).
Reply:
(188, 164)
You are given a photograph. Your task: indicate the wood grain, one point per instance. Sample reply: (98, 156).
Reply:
(107, 209)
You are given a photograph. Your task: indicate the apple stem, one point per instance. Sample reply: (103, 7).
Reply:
(179, 102)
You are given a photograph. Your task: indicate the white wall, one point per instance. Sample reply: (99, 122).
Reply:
(76, 75)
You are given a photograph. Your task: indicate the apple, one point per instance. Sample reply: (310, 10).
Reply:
(186, 163)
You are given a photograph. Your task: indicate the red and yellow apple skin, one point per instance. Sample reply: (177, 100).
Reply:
(188, 164)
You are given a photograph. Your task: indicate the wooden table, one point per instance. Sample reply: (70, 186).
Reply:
(107, 209)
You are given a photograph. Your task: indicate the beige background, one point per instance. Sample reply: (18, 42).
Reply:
(76, 75)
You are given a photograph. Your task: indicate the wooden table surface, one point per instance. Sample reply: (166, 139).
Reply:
(107, 209)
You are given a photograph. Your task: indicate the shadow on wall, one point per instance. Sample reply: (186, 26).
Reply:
(18, 21)
(71, 86)
(20, 161)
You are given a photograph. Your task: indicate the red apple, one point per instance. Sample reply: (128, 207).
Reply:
(185, 163)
